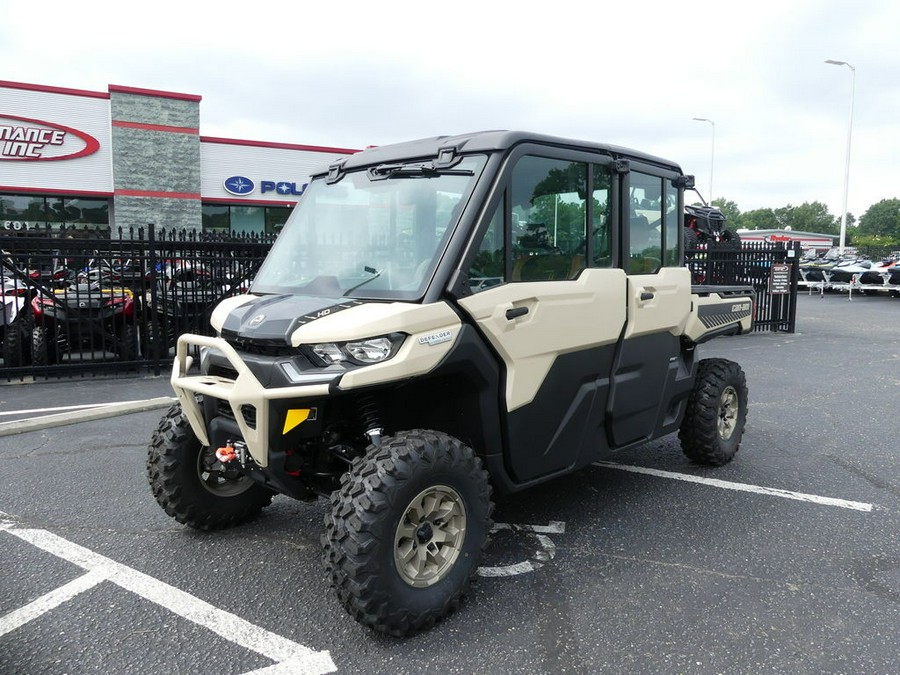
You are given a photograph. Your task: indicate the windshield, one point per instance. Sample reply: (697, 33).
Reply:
(376, 233)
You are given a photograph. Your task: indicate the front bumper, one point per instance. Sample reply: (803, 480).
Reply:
(242, 391)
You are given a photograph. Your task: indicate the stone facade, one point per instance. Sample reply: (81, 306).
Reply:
(156, 159)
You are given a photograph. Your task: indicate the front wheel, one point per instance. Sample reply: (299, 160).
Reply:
(713, 424)
(44, 346)
(406, 531)
(192, 485)
(17, 344)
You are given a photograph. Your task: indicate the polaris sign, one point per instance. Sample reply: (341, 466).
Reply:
(241, 186)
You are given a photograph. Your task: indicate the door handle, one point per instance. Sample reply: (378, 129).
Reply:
(516, 312)
(646, 295)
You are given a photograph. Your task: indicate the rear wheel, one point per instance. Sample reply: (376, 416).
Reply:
(730, 240)
(128, 342)
(406, 531)
(716, 413)
(192, 485)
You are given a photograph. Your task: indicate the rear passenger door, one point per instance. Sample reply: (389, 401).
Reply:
(658, 303)
(546, 296)
(658, 296)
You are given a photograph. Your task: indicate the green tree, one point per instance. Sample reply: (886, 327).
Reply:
(730, 209)
(758, 219)
(882, 220)
(809, 217)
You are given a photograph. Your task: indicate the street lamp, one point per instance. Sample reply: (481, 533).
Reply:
(847, 164)
(712, 155)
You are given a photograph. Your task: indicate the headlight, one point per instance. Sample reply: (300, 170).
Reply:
(370, 351)
(360, 352)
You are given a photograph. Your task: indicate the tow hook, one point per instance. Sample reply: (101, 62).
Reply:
(232, 450)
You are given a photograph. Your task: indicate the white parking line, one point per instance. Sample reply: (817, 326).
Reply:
(59, 408)
(86, 414)
(291, 658)
(743, 487)
(545, 553)
(52, 600)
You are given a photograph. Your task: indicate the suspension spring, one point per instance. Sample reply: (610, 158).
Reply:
(370, 418)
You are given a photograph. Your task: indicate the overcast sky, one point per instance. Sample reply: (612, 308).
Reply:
(351, 74)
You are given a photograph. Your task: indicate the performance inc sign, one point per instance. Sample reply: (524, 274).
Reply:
(25, 139)
(56, 141)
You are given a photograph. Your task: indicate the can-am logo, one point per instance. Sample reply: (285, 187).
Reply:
(24, 139)
(241, 185)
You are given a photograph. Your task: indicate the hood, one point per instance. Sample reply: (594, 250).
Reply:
(271, 319)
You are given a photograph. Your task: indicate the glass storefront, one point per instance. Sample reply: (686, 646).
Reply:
(21, 214)
(237, 219)
(24, 214)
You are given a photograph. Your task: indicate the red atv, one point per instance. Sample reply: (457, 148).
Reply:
(83, 318)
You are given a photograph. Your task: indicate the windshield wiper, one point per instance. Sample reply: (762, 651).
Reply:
(383, 171)
(370, 270)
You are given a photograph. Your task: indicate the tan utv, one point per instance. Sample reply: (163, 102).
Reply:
(440, 320)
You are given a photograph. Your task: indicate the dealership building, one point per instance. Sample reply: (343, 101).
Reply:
(808, 240)
(128, 157)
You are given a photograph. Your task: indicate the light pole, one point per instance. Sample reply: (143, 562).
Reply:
(847, 163)
(712, 155)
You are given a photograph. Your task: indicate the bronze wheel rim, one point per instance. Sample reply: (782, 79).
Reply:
(430, 536)
(729, 405)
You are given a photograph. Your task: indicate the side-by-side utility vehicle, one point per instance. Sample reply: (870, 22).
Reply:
(438, 321)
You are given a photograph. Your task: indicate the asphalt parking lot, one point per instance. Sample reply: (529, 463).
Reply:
(785, 561)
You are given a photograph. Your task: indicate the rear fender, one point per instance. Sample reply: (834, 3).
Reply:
(717, 311)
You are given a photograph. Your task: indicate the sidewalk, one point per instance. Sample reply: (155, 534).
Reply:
(40, 405)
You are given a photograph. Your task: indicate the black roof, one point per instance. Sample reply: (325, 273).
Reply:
(487, 141)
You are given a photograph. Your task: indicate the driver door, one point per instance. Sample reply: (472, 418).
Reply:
(549, 314)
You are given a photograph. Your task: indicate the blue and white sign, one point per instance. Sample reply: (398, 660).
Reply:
(239, 185)
(242, 186)
(282, 187)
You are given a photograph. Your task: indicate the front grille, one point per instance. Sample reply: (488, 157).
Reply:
(261, 349)
(223, 371)
(223, 409)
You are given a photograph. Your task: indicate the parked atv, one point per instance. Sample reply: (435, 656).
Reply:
(410, 346)
(15, 322)
(83, 317)
(185, 296)
(705, 225)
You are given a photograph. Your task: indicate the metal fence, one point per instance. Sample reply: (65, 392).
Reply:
(772, 269)
(93, 301)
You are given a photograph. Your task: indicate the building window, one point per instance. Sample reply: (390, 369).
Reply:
(215, 218)
(276, 217)
(29, 213)
(238, 219)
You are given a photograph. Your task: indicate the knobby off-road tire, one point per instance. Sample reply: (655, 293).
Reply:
(17, 344)
(406, 531)
(716, 413)
(194, 487)
(730, 240)
(128, 342)
(44, 346)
